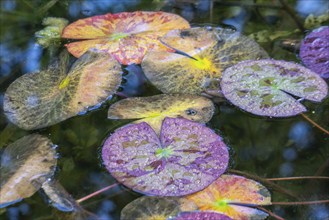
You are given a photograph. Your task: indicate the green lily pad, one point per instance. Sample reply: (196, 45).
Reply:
(202, 54)
(151, 208)
(265, 87)
(44, 98)
(25, 165)
(154, 109)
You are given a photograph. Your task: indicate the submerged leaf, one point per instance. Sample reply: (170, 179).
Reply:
(225, 193)
(127, 35)
(25, 165)
(186, 158)
(154, 109)
(59, 197)
(213, 50)
(41, 99)
(151, 208)
(314, 51)
(263, 87)
(197, 215)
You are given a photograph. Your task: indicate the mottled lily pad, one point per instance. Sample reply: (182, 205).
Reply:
(44, 98)
(213, 50)
(265, 87)
(25, 165)
(154, 109)
(127, 35)
(314, 51)
(197, 215)
(225, 193)
(186, 158)
(151, 208)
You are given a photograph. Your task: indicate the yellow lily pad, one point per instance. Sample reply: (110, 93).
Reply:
(154, 109)
(197, 64)
(44, 98)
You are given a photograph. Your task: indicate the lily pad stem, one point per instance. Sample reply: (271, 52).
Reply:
(270, 213)
(97, 192)
(315, 124)
(298, 178)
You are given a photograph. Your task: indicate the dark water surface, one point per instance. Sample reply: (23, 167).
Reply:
(265, 147)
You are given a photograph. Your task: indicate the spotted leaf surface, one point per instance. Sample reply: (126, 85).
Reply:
(150, 208)
(154, 109)
(44, 98)
(314, 51)
(186, 158)
(263, 87)
(221, 195)
(25, 165)
(213, 50)
(198, 215)
(127, 35)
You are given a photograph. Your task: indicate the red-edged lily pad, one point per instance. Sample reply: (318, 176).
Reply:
(127, 35)
(265, 87)
(197, 215)
(186, 158)
(202, 54)
(314, 51)
(224, 195)
(44, 98)
(151, 208)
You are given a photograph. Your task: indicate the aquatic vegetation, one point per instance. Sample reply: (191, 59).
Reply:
(230, 195)
(267, 87)
(186, 157)
(44, 98)
(314, 51)
(153, 109)
(151, 208)
(202, 54)
(26, 165)
(127, 35)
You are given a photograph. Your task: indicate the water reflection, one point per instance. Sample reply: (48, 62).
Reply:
(301, 134)
(8, 5)
(33, 54)
(315, 7)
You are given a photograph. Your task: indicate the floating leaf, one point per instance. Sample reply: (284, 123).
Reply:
(225, 193)
(200, 216)
(314, 51)
(213, 50)
(40, 99)
(263, 87)
(25, 165)
(186, 158)
(59, 197)
(154, 109)
(150, 208)
(127, 35)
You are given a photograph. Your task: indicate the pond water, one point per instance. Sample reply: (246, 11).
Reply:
(261, 146)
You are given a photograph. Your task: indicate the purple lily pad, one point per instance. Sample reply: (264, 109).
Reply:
(186, 159)
(201, 216)
(314, 51)
(265, 87)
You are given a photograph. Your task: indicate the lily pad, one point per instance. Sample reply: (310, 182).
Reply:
(314, 51)
(127, 35)
(44, 98)
(25, 165)
(265, 87)
(186, 158)
(151, 208)
(225, 193)
(202, 54)
(200, 216)
(154, 109)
